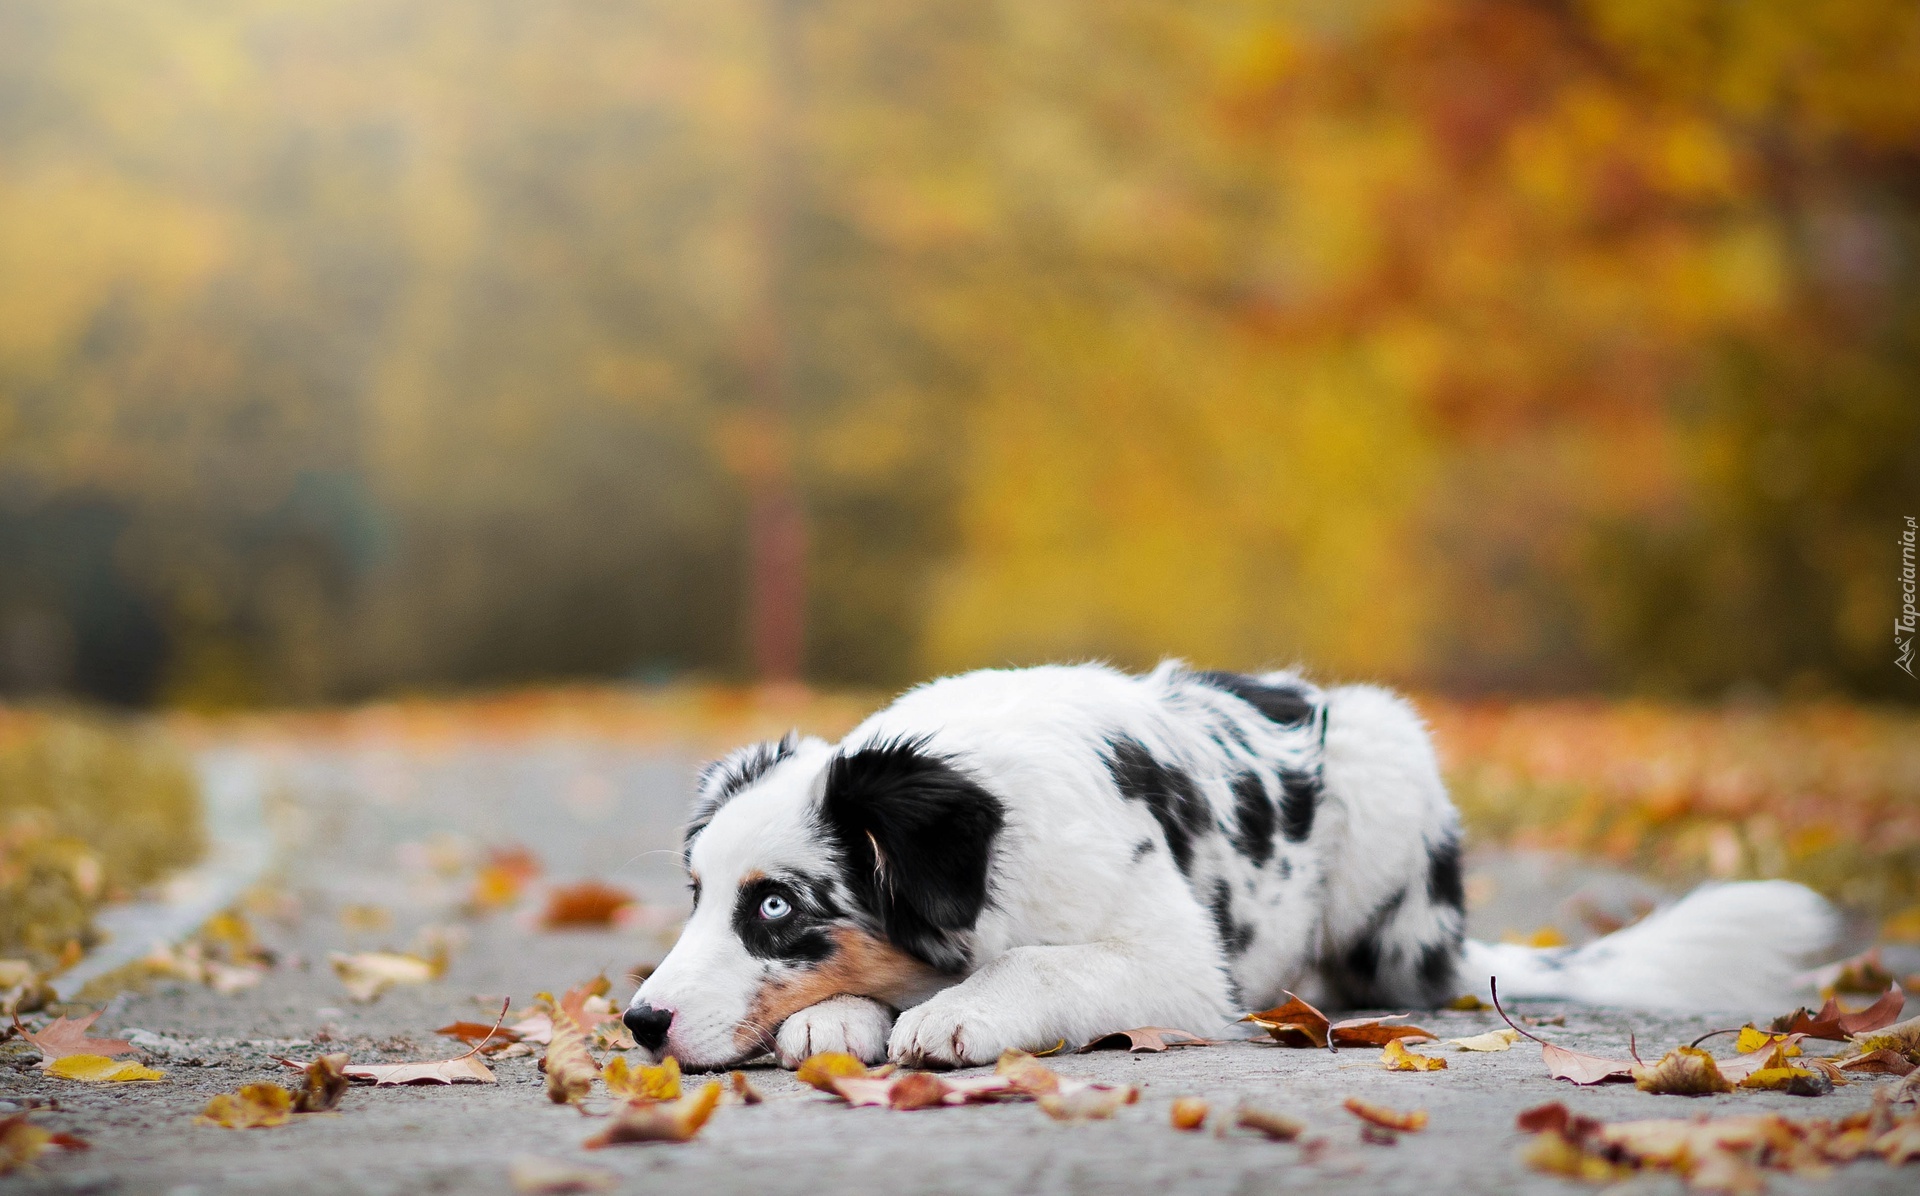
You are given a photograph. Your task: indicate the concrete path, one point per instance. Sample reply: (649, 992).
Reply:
(369, 825)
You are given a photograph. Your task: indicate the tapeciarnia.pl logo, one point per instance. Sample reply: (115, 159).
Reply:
(1904, 622)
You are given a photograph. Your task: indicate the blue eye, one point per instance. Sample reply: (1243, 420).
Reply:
(775, 907)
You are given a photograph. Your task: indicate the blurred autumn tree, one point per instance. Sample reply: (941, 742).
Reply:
(1492, 345)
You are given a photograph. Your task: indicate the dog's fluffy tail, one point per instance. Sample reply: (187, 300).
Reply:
(1726, 947)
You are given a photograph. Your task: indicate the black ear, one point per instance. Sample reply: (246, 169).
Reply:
(916, 835)
(727, 776)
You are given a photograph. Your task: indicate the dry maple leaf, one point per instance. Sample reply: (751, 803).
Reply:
(1878, 1062)
(1741, 1066)
(916, 1090)
(532, 1175)
(1142, 1039)
(643, 1083)
(254, 1106)
(21, 1142)
(570, 1068)
(98, 1069)
(1027, 1074)
(676, 1121)
(1188, 1113)
(461, 1069)
(1298, 1024)
(1753, 1039)
(590, 904)
(1794, 1081)
(367, 974)
(1492, 1040)
(1902, 1039)
(1682, 1071)
(821, 1070)
(1396, 1057)
(1392, 1119)
(1276, 1126)
(65, 1036)
(1835, 1025)
(1564, 1064)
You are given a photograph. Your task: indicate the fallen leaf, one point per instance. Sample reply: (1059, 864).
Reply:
(323, 1084)
(465, 1069)
(1466, 1003)
(501, 879)
(570, 1069)
(1556, 1154)
(743, 1088)
(1902, 1039)
(1901, 1144)
(254, 1106)
(535, 1176)
(916, 1090)
(1027, 1074)
(1396, 1057)
(676, 1121)
(1545, 937)
(495, 1038)
(65, 1036)
(1835, 1025)
(21, 1142)
(1564, 1064)
(1864, 974)
(1188, 1113)
(1683, 1071)
(1086, 1104)
(821, 1070)
(1794, 1081)
(1386, 1118)
(1492, 1040)
(1741, 1066)
(643, 1083)
(1878, 1062)
(1753, 1039)
(861, 1091)
(367, 974)
(1145, 1039)
(1298, 1024)
(589, 904)
(1276, 1126)
(98, 1069)
(536, 1028)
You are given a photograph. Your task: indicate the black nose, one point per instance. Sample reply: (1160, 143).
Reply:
(648, 1025)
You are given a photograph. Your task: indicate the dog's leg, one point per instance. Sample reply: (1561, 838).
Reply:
(854, 1025)
(1031, 998)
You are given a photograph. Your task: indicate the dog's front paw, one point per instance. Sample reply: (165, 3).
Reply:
(951, 1031)
(853, 1025)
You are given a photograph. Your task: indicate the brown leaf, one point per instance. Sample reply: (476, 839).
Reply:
(1834, 1025)
(1901, 1144)
(1145, 1039)
(65, 1036)
(1274, 1125)
(1880, 1062)
(743, 1088)
(1396, 1057)
(324, 1082)
(21, 1142)
(1386, 1118)
(1188, 1113)
(1027, 1074)
(916, 1090)
(494, 1038)
(1373, 1031)
(589, 904)
(570, 1069)
(677, 1121)
(1683, 1071)
(254, 1106)
(1295, 1024)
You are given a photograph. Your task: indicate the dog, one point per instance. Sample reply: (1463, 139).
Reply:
(1013, 858)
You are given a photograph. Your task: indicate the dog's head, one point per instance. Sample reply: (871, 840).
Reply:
(817, 872)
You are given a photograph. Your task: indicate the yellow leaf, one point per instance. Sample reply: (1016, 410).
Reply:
(98, 1069)
(1492, 1040)
(1396, 1057)
(1683, 1071)
(255, 1106)
(1754, 1039)
(675, 1121)
(823, 1069)
(642, 1083)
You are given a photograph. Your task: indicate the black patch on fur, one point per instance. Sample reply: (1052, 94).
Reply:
(800, 937)
(1142, 850)
(1437, 963)
(916, 835)
(1286, 705)
(723, 779)
(1253, 819)
(1235, 937)
(1444, 886)
(1299, 800)
(1169, 795)
(1361, 961)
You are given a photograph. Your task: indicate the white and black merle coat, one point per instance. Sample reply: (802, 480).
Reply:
(1010, 858)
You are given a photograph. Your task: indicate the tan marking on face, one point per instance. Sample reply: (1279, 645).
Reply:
(861, 965)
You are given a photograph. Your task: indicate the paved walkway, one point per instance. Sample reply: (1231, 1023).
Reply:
(367, 827)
